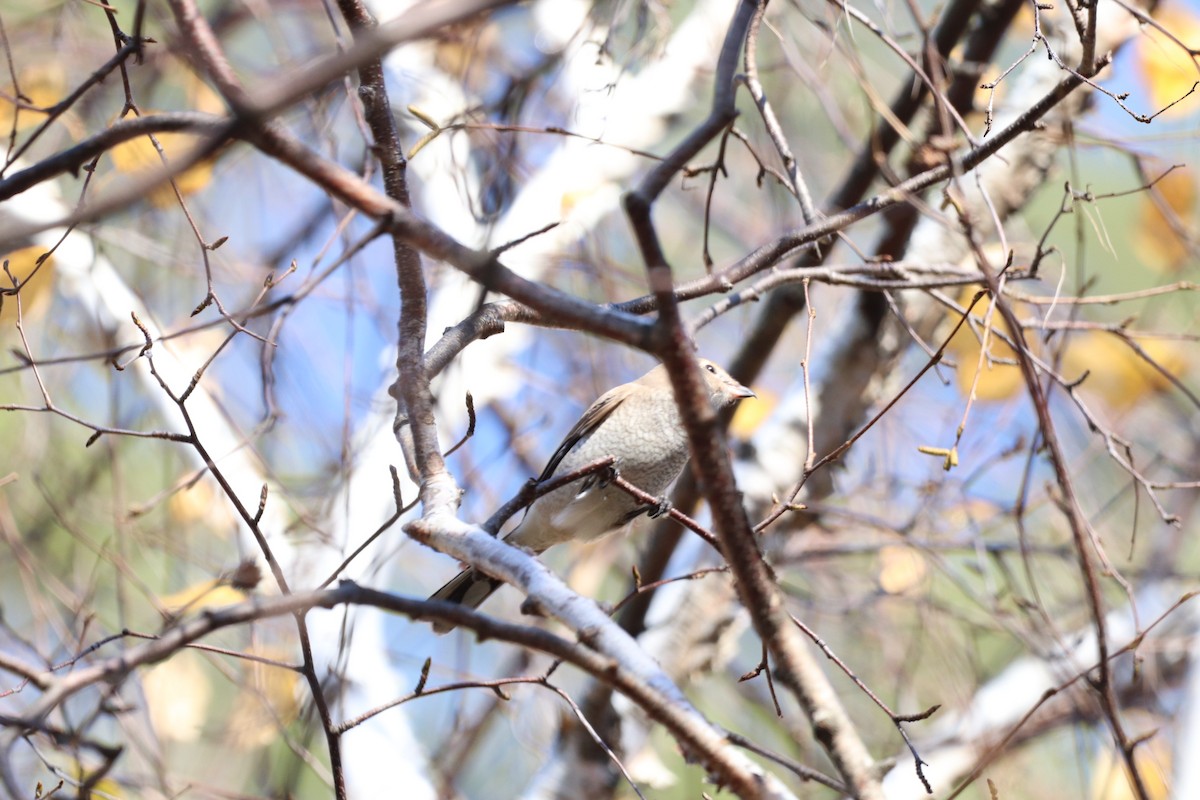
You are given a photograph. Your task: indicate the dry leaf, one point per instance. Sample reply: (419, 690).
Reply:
(996, 381)
(207, 594)
(267, 704)
(137, 155)
(1117, 374)
(973, 511)
(201, 504)
(1166, 68)
(43, 86)
(178, 696)
(902, 569)
(36, 293)
(1153, 758)
(1158, 244)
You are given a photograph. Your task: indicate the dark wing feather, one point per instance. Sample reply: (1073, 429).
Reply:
(591, 419)
(469, 588)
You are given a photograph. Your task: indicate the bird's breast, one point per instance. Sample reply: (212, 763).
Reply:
(646, 437)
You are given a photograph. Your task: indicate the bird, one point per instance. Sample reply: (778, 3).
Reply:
(636, 423)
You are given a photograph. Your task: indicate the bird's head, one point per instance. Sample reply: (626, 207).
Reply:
(723, 390)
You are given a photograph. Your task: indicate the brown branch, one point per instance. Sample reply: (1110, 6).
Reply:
(710, 459)
(71, 159)
(411, 388)
(61, 107)
(1084, 540)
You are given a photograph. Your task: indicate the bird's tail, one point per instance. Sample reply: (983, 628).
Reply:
(469, 588)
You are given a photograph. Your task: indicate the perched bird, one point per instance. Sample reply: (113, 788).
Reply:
(638, 423)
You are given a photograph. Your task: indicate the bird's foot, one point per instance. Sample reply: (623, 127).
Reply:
(607, 476)
(661, 507)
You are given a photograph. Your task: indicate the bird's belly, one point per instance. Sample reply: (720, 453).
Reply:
(568, 514)
(585, 510)
(595, 514)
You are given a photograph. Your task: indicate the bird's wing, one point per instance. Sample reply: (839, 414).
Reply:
(587, 424)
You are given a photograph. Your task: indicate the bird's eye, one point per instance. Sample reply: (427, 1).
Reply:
(711, 368)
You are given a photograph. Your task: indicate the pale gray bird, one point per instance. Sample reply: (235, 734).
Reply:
(638, 423)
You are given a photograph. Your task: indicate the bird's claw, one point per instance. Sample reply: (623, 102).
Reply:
(607, 476)
(661, 507)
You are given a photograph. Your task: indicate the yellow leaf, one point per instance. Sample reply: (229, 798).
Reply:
(267, 703)
(1153, 759)
(43, 86)
(996, 381)
(751, 413)
(1117, 374)
(1166, 68)
(202, 97)
(207, 594)
(468, 52)
(140, 154)
(178, 696)
(970, 512)
(200, 503)
(1168, 354)
(1156, 242)
(103, 788)
(107, 787)
(1023, 23)
(35, 294)
(902, 569)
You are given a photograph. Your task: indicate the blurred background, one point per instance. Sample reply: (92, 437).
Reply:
(933, 556)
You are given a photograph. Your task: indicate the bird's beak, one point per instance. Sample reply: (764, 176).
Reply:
(740, 392)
